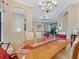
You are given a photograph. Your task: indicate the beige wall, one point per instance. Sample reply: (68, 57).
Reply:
(77, 15)
(65, 22)
(8, 34)
(72, 16)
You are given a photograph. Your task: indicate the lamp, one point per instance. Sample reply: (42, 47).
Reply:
(47, 5)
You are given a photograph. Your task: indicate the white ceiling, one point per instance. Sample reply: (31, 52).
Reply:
(37, 12)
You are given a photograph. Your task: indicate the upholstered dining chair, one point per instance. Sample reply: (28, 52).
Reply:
(4, 52)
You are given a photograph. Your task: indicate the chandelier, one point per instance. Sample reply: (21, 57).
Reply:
(47, 5)
(3, 4)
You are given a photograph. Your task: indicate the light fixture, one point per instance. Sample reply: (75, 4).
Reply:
(59, 26)
(47, 5)
(3, 4)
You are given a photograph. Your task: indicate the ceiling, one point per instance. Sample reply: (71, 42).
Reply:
(38, 13)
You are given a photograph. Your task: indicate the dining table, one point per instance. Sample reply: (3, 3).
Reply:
(45, 51)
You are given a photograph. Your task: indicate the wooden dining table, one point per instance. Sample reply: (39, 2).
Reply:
(47, 51)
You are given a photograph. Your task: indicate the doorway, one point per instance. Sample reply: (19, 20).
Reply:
(53, 27)
(0, 26)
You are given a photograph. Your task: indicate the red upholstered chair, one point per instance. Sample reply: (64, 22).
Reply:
(46, 35)
(4, 54)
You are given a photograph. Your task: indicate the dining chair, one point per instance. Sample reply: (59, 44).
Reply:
(75, 50)
(4, 53)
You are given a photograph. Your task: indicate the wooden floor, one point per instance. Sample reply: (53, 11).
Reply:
(64, 54)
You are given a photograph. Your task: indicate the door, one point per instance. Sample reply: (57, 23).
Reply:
(53, 28)
(0, 26)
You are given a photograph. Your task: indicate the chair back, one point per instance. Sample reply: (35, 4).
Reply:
(75, 50)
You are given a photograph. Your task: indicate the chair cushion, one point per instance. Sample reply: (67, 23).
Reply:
(47, 35)
(60, 36)
(3, 54)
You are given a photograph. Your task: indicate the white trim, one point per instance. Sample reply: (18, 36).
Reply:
(22, 2)
(75, 1)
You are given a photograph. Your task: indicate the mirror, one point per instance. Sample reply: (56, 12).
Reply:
(18, 20)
